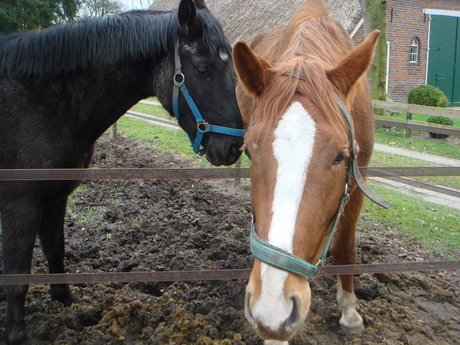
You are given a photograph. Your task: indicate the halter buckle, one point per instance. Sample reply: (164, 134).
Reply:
(202, 126)
(179, 79)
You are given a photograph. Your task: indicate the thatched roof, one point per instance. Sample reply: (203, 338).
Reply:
(244, 19)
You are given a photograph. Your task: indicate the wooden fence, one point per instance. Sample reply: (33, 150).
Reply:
(410, 124)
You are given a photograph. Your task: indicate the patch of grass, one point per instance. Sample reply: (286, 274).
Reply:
(163, 138)
(154, 110)
(85, 217)
(381, 159)
(423, 118)
(397, 138)
(432, 224)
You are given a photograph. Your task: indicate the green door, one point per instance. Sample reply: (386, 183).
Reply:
(444, 56)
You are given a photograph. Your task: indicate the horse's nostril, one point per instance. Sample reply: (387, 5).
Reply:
(247, 310)
(294, 318)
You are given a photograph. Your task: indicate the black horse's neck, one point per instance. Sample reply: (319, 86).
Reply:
(88, 74)
(96, 98)
(95, 43)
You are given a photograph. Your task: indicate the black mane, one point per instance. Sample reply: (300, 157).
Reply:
(74, 47)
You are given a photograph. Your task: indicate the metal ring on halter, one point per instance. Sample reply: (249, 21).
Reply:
(202, 126)
(179, 78)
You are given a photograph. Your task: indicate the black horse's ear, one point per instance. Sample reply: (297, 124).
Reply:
(201, 5)
(186, 15)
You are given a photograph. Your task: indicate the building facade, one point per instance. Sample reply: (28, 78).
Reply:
(423, 36)
(423, 41)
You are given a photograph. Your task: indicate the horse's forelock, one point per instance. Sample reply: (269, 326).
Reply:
(305, 77)
(311, 33)
(309, 44)
(213, 34)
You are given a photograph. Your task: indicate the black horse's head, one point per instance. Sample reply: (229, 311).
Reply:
(202, 64)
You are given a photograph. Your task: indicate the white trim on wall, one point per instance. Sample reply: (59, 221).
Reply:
(427, 51)
(431, 11)
(387, 78)
(357, 27)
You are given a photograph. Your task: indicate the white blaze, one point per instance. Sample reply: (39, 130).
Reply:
(293, 149)
(224, 56)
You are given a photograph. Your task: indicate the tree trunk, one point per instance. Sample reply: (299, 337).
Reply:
(375, 18)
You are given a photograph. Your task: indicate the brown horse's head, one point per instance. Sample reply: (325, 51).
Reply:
(299, 145)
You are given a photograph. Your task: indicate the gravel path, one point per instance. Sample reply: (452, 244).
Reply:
(427, 195)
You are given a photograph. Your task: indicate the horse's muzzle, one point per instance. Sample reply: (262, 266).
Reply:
(272, 329)
(223, 149)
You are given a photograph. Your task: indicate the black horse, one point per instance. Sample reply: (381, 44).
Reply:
(62, 87)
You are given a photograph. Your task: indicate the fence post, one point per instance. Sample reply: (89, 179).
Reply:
(237, 180)
(115, 131)
(408, 131)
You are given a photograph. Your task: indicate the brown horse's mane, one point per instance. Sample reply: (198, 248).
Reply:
(309, 45)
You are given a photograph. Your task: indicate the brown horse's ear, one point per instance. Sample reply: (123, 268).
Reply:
(354, 64)
(253, 71)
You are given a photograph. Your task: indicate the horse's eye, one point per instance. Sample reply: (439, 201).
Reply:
(203, 71)
(340, 157)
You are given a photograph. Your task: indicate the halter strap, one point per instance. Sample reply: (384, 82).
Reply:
(354, 159)
(201, 125)
(286, 261)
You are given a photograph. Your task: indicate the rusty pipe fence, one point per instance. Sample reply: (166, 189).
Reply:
(204, 173)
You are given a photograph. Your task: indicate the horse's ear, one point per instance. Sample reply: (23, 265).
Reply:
(354, 64)
(253, 71)
(186, 15)
(200, 4)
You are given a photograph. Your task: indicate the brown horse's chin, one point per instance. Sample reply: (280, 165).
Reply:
(223, 152)
(278, 336)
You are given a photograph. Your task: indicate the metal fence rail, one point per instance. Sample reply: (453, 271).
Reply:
(204, 173)
(194, 173)
(229, 274)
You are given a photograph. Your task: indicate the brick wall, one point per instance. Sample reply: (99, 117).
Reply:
(406, 21)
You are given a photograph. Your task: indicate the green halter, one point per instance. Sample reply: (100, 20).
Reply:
(286, 261)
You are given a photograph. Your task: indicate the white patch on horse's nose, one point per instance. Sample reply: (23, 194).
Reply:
(224, 56)
(293, 149)
(272, 309)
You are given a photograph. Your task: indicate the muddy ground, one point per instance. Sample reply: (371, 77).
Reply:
(121, 226)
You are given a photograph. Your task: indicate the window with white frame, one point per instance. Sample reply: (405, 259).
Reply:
(414, 48)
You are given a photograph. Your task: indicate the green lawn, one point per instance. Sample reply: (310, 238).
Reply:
(153, 110)
(433, 225)
(381, 159)
(423, 118)
(397, 138)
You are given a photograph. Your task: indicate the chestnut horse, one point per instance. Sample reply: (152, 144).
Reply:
(303, 93)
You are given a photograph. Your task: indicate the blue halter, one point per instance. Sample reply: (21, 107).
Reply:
(202, 126)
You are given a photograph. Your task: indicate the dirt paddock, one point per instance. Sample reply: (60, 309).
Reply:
(134, 225)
